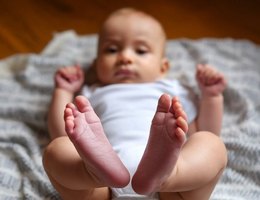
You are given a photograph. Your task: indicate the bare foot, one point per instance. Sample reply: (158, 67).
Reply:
(167, 135)
(86, 133)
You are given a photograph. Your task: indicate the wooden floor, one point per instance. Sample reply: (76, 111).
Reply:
(28, 25)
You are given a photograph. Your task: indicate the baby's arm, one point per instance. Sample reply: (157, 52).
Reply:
(212, 84)
(68, 81)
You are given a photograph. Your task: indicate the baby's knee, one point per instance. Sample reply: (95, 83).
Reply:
(47, 157)
(212, 145)
(52, 152)
(215, 145)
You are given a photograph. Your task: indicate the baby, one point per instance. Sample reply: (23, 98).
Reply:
(136, 135)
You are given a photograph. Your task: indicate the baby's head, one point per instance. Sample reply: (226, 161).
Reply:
(131, 48)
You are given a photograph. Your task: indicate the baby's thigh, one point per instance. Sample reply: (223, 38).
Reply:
(62, 162)
(90, 194)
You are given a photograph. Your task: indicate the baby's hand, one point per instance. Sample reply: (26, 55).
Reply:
(70, 78)
(210, 81)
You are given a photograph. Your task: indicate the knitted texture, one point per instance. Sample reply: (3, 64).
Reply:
(26, 85)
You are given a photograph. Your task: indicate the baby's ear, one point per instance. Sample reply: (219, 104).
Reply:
(165, 66)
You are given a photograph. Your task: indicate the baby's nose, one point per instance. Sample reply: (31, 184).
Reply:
(125, 57)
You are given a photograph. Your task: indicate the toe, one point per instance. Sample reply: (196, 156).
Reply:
(176, 105)
(68, 114)
(71, 106)
(69, 126)
(182, 123)
(164, 103)
(180, 134)
(180, 113)
(83, 104)
(177, 109)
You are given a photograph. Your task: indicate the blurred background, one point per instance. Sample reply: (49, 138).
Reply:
(26, 26)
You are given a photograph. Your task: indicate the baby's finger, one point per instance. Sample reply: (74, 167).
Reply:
(212, 78)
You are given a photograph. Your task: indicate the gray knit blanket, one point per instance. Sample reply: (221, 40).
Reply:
(26, 84)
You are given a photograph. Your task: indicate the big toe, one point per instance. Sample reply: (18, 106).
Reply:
(83, 104)
(164, 103)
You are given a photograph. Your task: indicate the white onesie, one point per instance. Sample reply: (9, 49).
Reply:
(126, 112)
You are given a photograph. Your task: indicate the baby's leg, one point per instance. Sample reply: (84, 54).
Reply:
(89, 161)
(67, 172)
(201, 162)
(167, 135)
(178, 170)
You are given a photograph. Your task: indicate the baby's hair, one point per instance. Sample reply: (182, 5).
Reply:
(130, 11)
(126, 10)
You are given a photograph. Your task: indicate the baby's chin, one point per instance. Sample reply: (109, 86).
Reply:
(131, 81)
(128, 80)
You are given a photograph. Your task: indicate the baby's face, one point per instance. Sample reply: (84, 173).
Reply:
(131, 50)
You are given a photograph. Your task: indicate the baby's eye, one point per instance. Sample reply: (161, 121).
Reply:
(111, 50)
(141, 51)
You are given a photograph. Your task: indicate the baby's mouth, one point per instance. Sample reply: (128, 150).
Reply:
(125, 74)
